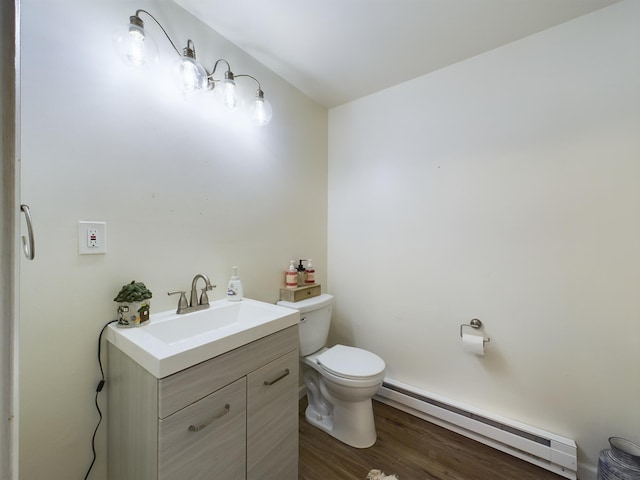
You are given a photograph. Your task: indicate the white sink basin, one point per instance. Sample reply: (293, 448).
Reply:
(170, 342)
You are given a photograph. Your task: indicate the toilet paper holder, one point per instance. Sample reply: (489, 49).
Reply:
(475, 324)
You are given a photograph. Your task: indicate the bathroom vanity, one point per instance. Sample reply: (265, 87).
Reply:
(232, 416)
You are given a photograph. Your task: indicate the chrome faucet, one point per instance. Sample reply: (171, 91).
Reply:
(204, 299)
(194, 304)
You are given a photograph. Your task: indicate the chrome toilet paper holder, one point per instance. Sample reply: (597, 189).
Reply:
(475, 324)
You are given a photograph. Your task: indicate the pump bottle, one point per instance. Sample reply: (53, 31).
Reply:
(311, 274)
(291, 275)
(301, 273)
(234, 290)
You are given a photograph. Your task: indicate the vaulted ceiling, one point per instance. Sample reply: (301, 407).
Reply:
(338, 50)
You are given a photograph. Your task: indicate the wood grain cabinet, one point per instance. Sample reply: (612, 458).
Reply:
(207, 436)
(231, 417)
(272, 431)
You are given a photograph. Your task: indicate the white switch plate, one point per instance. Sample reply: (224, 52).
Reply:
(92, 238)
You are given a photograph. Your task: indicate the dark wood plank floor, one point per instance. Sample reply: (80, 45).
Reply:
(410, 448)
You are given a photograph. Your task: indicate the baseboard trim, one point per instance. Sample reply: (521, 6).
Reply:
(585, 472)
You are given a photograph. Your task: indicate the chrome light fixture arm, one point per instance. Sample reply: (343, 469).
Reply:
(259, 92)
(228, 75)
(215, 67)
(255, 80)
(136, 20)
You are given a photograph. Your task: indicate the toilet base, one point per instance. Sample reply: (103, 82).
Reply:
(323, 422)
(351, 423)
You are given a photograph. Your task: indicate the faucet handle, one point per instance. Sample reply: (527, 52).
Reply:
(204, 298)
(182, 303)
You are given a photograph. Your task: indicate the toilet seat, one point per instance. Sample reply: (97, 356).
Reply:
(351, 363)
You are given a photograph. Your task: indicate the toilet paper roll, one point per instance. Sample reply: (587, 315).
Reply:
(473, 344)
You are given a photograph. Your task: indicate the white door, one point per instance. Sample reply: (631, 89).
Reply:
(10, 249)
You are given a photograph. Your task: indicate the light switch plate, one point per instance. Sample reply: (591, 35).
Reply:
(92, 238)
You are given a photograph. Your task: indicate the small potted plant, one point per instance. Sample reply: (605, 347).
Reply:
(133, 304)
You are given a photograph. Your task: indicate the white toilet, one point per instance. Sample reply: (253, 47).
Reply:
(340, 380)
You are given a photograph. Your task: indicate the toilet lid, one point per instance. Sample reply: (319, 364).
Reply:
(351, 362)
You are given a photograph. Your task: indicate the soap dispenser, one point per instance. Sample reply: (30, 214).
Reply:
(310, 279)
(234, 290)
(301, 273)
(291, 276)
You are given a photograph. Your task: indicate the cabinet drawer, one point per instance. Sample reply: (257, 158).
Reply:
(272, 419)
(207, 439)
(183, 388)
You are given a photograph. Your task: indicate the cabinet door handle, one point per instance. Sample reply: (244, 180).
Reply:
(29, 247)
(268, 383)
(193, 428)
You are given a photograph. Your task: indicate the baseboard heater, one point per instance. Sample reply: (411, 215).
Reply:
(547, 450)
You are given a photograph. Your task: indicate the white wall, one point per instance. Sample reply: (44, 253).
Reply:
(183, 190)
(505, 187)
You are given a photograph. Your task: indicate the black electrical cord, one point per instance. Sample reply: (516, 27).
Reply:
(98, 390)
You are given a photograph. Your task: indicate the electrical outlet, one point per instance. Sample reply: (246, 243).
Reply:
(92, 238)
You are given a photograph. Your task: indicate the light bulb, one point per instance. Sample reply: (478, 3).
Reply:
(134, 46)
(136, 51)
(192, 75)
(229, 92)
(261, 110)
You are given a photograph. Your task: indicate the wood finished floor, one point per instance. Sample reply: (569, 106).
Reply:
(410, 448)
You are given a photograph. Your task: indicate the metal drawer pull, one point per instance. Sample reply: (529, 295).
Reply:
(193, 428)
(286, 372)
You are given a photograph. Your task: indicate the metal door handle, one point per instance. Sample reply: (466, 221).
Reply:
(193, 428)
(29, 247)
(269, 383)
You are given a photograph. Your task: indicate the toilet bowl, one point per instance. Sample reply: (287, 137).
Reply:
(340, 381)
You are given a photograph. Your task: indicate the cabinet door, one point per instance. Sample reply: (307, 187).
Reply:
(272, 420)
(206, 439)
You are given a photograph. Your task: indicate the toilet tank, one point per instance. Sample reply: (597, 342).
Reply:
(315, 318)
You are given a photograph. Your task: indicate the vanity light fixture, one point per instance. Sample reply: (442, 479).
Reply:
(137, 48)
